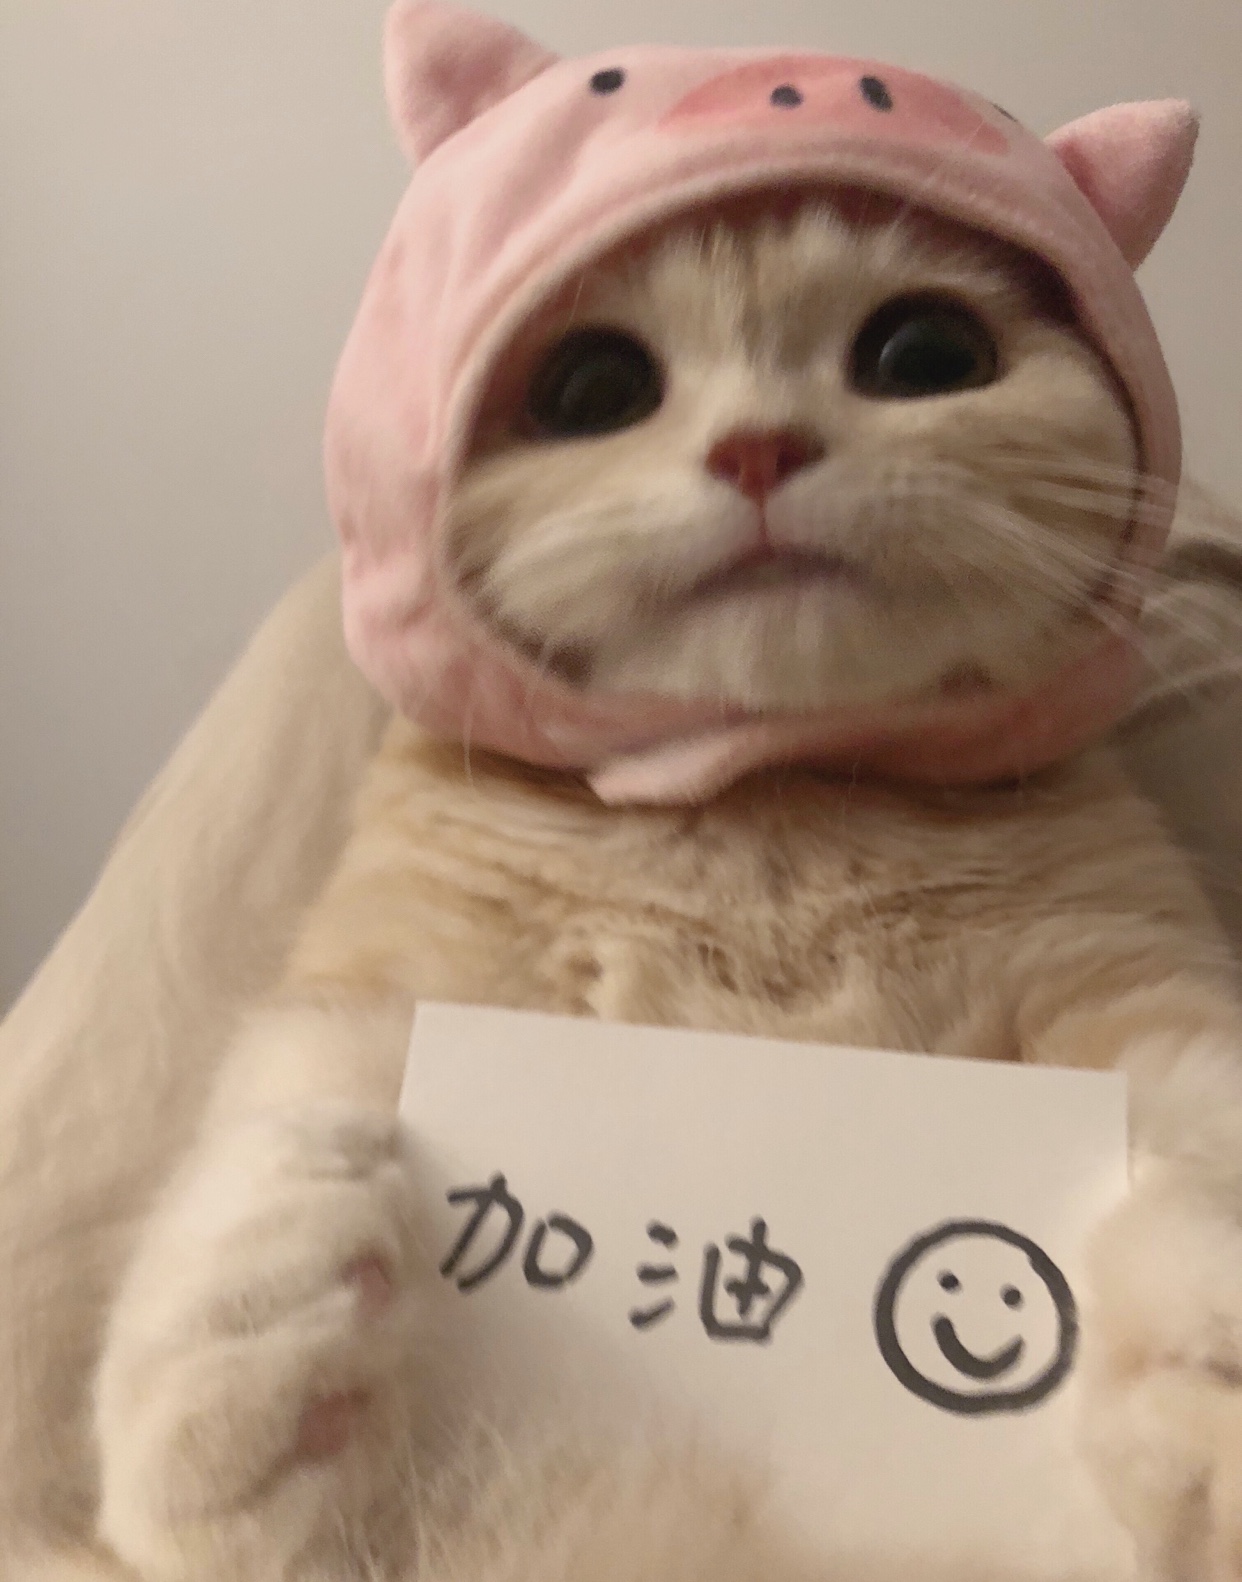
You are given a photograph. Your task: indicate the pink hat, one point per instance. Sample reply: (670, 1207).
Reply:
(529, 167)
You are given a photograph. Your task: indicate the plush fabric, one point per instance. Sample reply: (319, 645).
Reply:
(531, 166)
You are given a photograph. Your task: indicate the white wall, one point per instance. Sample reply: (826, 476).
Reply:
(189, 197)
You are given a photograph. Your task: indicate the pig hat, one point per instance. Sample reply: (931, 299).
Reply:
(529, 167)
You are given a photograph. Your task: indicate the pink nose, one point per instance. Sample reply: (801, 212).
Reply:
(757, 461)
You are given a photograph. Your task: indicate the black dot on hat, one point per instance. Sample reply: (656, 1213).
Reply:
(875, 93)
(1004, 112)
(607, 81)
(786, 96)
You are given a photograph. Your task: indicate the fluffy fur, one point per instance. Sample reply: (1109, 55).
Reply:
(261, 1395)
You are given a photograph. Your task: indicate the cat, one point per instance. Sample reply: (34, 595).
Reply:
(779, 455)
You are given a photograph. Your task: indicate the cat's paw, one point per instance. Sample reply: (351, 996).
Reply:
(1162, 1374)
(258, 1387)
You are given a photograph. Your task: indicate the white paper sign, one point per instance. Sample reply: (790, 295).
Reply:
(859, 1268)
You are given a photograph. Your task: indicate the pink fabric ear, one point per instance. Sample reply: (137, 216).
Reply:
(1131, 162)
(443, 66)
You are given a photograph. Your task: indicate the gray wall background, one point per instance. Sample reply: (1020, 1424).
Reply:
(190, 196)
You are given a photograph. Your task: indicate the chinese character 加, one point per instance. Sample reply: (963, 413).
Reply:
(495, 1196)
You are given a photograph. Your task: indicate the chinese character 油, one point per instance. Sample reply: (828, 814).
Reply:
(756, 1304)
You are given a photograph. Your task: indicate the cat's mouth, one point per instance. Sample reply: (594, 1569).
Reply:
(768, 566)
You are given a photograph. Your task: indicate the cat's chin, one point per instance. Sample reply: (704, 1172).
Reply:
(768, 642)
(771, 568)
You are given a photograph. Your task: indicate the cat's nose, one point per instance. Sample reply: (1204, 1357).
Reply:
(756, 461)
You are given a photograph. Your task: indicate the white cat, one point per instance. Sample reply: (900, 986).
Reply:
(781, 460)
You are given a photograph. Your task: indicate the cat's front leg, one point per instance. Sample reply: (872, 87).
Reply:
(259, 1390)
(1162, 1356)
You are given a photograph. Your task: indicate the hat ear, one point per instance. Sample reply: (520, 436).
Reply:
(1131, 162)
(443, 66)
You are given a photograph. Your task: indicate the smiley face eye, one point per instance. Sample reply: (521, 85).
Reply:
(594, 381)
(1011, 1296)
(948, 1281)
(923, 346)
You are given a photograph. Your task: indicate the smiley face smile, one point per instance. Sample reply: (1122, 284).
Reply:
(965, 1361)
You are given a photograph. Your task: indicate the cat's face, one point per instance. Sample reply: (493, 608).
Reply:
(795, 462)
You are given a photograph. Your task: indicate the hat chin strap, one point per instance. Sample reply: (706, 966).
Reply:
(985, 741)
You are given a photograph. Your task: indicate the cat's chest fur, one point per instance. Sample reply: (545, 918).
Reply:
(794, 905)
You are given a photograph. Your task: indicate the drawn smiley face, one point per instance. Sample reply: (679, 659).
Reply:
(974, 1318)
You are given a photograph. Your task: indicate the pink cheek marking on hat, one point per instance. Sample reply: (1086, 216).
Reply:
(855, 95)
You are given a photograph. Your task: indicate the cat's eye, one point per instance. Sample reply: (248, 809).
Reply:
(595, 380)
(923, 346)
